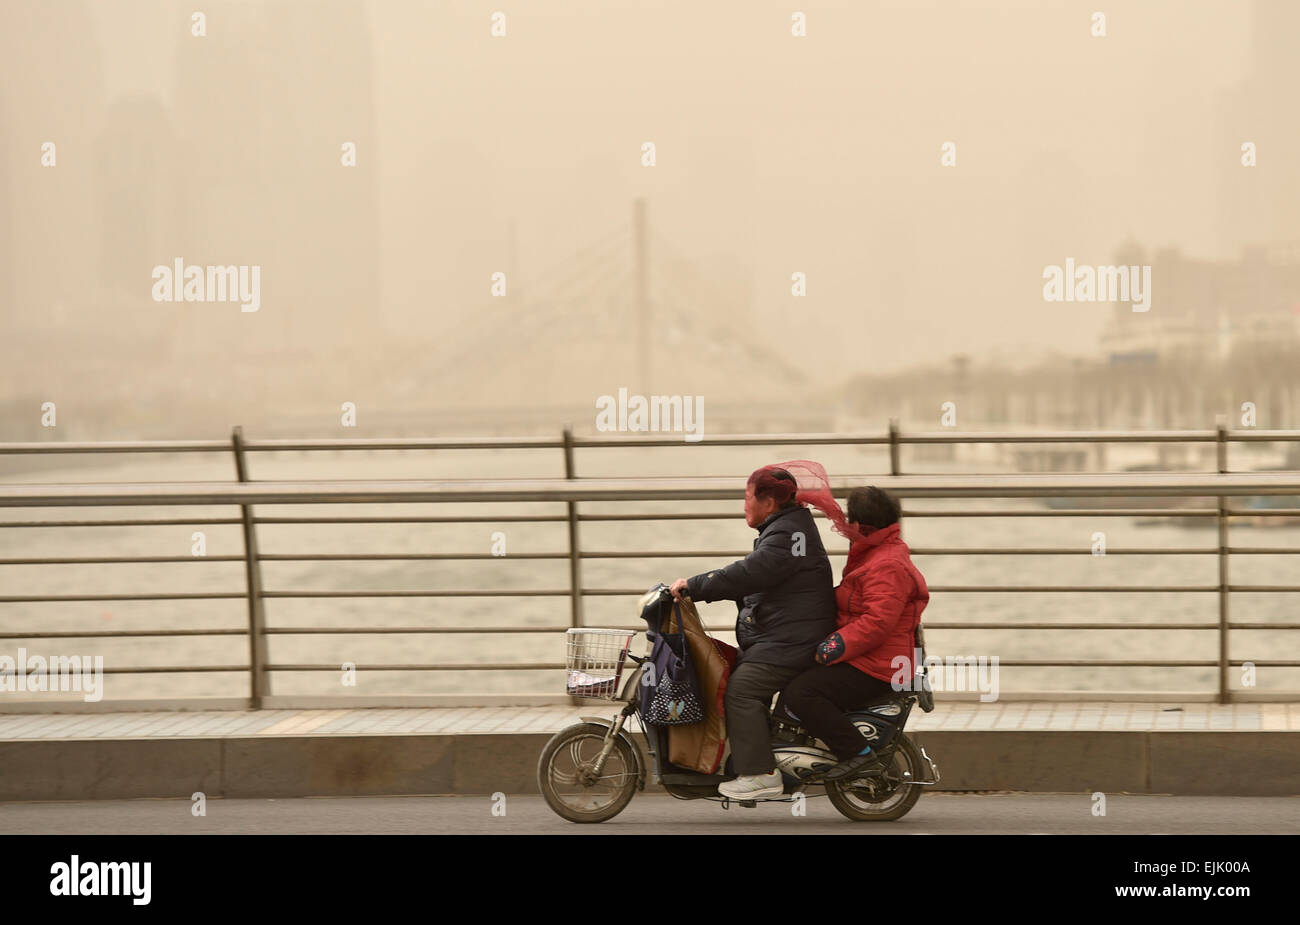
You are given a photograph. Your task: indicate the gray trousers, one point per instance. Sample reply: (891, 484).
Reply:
(748, 701)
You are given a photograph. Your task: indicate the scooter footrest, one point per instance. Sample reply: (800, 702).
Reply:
(695, 779)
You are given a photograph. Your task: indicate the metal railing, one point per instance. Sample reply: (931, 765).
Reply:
(573, 490)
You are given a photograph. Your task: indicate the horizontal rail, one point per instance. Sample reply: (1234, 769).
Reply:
(134, 522)
(649, 554)
(101, 560)
(511, 630)
(635, 554)
(678, 489)
(340, 444)
(163, 596)
(619, 518)
(551, 666)
(619, 592)
(112, 634)
(187, 521)
(622, 440)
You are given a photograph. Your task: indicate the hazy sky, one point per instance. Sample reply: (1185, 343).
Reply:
(822, 154)
(775, 154)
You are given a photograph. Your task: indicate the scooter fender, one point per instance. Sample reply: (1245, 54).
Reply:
(622, 734)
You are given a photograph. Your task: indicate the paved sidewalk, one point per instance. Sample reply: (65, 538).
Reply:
(1011, 716)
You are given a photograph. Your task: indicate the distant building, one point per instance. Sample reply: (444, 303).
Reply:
(48, 265)
(1258, 205)
(1204, 310)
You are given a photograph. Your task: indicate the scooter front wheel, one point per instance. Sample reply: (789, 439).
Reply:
(568, 780)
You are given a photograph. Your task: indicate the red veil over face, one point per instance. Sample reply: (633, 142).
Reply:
(814, 488)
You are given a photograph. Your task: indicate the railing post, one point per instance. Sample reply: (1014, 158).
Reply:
(259, 682)
(894, 467)
(1221, 454)
(575, 552)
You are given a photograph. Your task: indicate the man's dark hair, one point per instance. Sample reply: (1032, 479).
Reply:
(873, 507)
(782, 475)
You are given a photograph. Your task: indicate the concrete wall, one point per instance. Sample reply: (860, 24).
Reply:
(1183, 762)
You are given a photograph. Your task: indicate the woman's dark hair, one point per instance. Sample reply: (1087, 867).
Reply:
(783, 476)
(873, 507)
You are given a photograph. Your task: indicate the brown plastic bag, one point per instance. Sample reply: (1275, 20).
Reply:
(699, 746)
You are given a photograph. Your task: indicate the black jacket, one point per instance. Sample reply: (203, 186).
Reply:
(786, 602)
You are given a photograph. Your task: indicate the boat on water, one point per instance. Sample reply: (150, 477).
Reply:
(1129, 502)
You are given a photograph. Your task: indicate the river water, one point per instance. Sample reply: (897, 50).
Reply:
(511, 572)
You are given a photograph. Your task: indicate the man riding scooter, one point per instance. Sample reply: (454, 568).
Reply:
(785, 598)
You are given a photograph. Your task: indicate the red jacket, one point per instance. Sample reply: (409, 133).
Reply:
(880, 600)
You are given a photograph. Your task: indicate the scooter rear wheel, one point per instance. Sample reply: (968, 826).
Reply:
(568, 784)
(884, 798)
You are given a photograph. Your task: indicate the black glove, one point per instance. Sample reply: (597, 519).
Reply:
(831, 648)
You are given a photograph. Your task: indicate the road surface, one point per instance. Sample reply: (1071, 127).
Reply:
(936, 813)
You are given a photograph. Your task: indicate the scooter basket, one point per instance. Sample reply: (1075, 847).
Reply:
(595, 660)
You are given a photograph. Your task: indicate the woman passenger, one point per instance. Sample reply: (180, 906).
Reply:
(879, 601)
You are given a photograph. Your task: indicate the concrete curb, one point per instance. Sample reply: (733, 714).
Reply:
(1189, 762)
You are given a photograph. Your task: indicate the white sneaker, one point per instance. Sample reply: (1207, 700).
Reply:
(753, 787)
